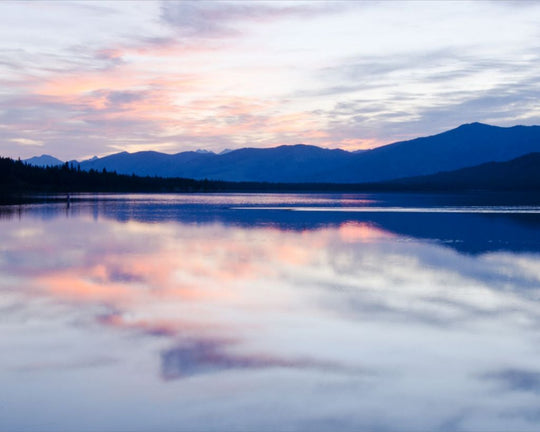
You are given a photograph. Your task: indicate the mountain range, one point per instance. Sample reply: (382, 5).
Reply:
(466, 146)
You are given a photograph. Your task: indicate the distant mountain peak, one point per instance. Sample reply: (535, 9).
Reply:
(43, 160)
(475, 125)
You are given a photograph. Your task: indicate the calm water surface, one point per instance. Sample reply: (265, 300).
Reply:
(270, 312)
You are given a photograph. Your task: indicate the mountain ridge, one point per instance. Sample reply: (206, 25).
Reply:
(467, 145)
(464, 146)
(521, 173)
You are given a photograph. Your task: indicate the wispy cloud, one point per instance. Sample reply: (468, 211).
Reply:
(26, 142)
(403, 97)
(205, 19)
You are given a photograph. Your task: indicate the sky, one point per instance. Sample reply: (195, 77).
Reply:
(79, 79)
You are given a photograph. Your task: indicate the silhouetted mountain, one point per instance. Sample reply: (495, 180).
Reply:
(466, 146)
(297, 163)
(522, 173)
(43, 161)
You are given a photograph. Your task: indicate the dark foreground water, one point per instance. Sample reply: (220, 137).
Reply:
(270, 313)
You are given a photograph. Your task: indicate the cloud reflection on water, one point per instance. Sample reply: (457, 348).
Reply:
(194, 357)
(397, 333)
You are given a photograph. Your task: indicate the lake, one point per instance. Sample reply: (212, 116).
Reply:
(270, 313)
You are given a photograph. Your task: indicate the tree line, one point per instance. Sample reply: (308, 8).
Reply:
(18, 177)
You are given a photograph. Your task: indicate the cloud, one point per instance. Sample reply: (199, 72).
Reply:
(224, 19)
(122, 98)
(86, 363)
(512, 4)
(27, 142)
(385, 99)
(87, 79)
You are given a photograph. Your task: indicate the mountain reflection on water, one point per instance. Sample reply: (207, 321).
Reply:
(175, 313)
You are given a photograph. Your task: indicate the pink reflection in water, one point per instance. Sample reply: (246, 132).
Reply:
(342, 320)
(185, 284)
